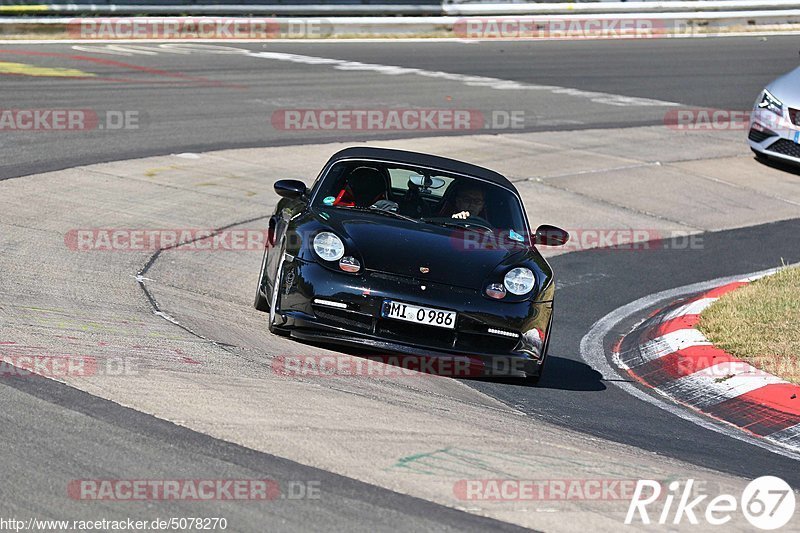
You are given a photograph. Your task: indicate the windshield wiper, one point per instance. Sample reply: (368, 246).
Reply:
(465, 225)
(383, 212)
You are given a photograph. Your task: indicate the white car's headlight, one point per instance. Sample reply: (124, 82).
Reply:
(519, 280)
(770, 103)
(328, 246)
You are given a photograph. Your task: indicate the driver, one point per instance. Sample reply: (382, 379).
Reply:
(469, 200)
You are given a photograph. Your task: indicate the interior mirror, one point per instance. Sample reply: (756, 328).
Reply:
(291, 189)
(437, 183)
(419, 180)
(426, 182)
(550, 236)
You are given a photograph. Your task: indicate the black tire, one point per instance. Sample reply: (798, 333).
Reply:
(534, 380)
(275, 297)
(261, 303)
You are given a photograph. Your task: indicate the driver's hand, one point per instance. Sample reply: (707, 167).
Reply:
(462, 215)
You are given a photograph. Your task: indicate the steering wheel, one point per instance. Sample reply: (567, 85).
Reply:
(478, 222)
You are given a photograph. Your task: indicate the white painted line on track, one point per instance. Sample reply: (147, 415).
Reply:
(593, 352)
(122, 50)
(471, 81)
(391, 70)
(115, 48)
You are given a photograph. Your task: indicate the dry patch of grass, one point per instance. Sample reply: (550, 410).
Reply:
(760, 323)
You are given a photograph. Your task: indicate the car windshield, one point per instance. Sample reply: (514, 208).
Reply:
(422, 194)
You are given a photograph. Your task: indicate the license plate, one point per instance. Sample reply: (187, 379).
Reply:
(419, 314)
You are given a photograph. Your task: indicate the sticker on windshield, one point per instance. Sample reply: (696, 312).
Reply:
(515, 236)
(328, 200)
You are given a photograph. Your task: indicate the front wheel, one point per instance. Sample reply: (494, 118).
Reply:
(275, 300)
(261, 303)
(534, 380)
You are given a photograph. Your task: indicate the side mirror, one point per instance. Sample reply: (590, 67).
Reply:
(291, 189)
(550, 236)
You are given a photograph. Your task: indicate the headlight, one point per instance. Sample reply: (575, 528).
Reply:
(770, 103)
(328, 246)
(519, 280)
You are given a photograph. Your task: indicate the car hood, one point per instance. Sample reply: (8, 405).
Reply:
(406, 248)
(787, 88)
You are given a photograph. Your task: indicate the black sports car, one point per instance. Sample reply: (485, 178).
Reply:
(411, 253)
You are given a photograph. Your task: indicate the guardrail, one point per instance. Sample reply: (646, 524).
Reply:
(468, 8)
(628, 25)
(393, 7)
(227, 9)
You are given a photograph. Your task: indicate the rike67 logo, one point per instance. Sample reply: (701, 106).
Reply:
(766, 502)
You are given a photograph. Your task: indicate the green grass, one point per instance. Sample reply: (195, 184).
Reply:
(760, 323)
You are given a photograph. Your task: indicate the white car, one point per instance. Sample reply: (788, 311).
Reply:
(775, 121)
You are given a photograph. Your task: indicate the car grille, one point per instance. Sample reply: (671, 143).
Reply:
(345, 319)
(785, 147)
(400, 280)
(794, 116)
(439, 338)
(759, 136)
(442, 339)
(481, 342)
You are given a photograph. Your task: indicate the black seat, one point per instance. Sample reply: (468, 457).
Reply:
(367, 185)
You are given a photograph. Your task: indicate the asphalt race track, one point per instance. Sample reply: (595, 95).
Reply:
(189, 99)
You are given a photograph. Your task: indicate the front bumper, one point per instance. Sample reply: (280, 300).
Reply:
(519, 352)
(774, 136)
